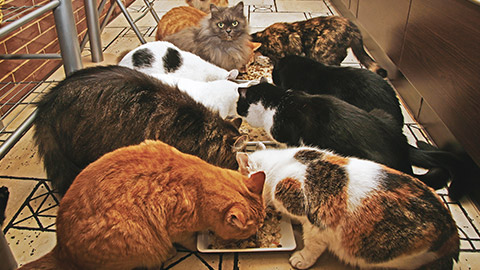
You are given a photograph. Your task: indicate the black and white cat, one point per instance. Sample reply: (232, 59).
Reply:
(367, 214)
(359, 87)
(297, 118)
(161, 57)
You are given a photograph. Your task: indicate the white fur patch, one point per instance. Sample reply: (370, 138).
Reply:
(364, 177)
(259, 116)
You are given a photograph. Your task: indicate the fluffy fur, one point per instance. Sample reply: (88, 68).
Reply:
(204, 5)
(97, 110)
(324, 39)
(220, 96)
(222, 39)
(177, 19)
(160, 57)
(297, 118)
(146, 197)
(367, 214)
(359, 87)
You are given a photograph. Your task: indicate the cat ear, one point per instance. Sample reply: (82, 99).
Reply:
(236, 122)
(263, 80)
(236, 218)
(239, 143)
(239, 8)
(232, 74)
(213, 9)
(255, 182)
(242, 160)
(242, 91)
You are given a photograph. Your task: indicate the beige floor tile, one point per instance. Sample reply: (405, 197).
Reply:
(300, 6)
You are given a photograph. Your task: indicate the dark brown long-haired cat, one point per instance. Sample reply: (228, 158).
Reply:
(146, 197)
(222, 39)
(367, 214)
(324, 39)
(97, 110)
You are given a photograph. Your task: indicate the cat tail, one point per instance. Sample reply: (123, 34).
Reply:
(364, 57)
(47, 262)
(460, 172)
(60, 169)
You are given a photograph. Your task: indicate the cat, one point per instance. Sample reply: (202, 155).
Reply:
(165, 58)
(147, 197)
(219, 96)
(365, 213)
(359, 87)
(4, 194)
(296, 118)
(204, 5)
(177, 19)
(97, 110)
(222, 39)
(324, 39)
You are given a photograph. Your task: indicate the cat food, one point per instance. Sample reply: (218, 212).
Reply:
(261, 67)
(268, 236)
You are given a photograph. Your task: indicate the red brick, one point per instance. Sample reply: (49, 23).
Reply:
(47, 22)
(21, 38)
(53, 48)
(26, 70)
(47, 69)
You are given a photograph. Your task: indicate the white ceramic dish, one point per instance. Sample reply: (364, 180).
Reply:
(287, 241)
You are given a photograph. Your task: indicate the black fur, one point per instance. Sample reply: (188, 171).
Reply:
(329, 123)
(143, 58)
(4, 194)
(359, 87)
(97, 110)
(172, 60)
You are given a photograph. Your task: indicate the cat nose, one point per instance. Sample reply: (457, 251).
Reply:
(228, 30)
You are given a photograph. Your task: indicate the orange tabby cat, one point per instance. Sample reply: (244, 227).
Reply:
(126, 209)
(177, 19)
(204, 5)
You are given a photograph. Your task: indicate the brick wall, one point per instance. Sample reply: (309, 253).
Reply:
(38, 36)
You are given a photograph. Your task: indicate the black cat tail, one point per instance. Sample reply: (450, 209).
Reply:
(460, 172)
(364, 57)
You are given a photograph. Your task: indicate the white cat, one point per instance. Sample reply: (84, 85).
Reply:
(161, 57)
(365, 213)
(220, 96)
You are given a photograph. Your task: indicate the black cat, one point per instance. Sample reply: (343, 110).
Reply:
(359, 87)
(297, 118)
(97, 110)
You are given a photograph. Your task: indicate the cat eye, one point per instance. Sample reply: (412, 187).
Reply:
(220, 24)
(234, 23)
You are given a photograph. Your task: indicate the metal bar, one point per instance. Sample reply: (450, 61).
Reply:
(86, 38)
(67, 37)
(150, 8)
(30, 16)
(130, 21)
(31, 56)
(93, 30)
(10, 142)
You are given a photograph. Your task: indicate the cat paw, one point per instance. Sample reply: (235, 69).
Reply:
(302, 260)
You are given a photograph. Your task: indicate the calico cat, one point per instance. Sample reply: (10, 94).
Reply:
(219, 96)
(97, 110)
(359, 87)
(147, 197)
(162, 57)
(367, 214)
(177, 19)
(204, 5)
(324, 39)
(297, 118)
(222, 39)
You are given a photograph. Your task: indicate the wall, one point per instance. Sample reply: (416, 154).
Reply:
(38, 36)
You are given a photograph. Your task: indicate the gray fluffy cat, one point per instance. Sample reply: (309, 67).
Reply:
(221, 39)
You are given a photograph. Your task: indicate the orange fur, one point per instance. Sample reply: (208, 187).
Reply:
(177, 19)
(125, 209)
(204, 5)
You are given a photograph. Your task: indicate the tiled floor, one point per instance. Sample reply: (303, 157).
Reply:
(30, 225)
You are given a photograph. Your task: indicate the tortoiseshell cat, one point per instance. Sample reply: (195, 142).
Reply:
(97, 110)
(324, 39)
(222, 40)
(297, 118)
(367, 214)
(204, 5)
(147, 197)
